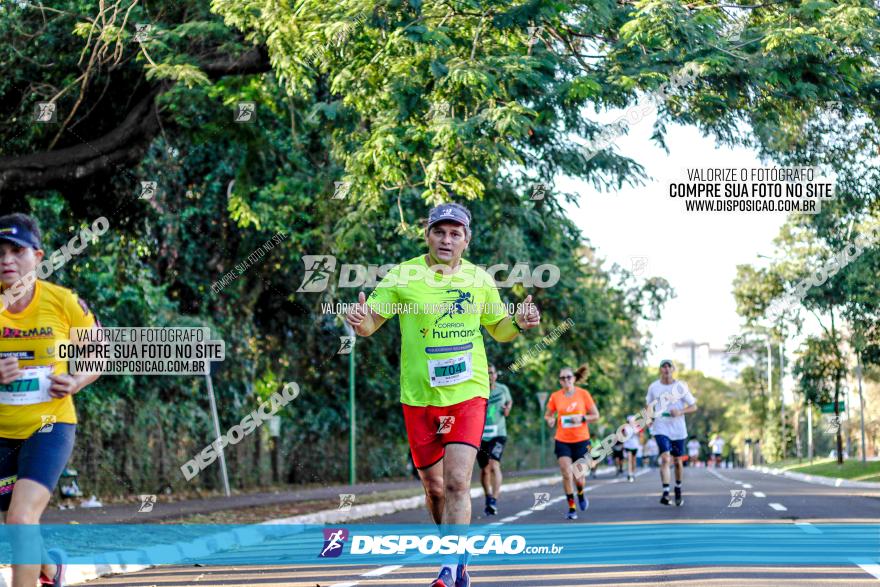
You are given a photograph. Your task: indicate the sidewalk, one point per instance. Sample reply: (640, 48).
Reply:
(127, 513)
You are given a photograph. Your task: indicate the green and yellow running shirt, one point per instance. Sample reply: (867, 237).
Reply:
(496, 421)
(443, 360)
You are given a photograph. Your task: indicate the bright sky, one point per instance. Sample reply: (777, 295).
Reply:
(697, 252)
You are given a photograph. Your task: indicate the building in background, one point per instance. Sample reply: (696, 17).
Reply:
(713, 362)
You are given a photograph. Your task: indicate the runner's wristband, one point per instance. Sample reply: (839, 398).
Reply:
(516, 325)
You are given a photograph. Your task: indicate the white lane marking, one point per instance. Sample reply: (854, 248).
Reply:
(778, 507)
(747, 485)
(869, 567)
(808, 527)
(381, 571)
(508, 519)
(758, 494)
(524, 513)
(722, 477)
(496, 524)
(344, 584)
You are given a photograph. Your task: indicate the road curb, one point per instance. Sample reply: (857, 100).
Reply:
(382, 508)
(78, 574)
(817, 479)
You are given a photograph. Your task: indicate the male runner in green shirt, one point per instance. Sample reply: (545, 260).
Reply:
(494, 438)
(442, 301)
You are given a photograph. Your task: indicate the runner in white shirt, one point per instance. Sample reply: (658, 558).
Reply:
(669, 400)
(631, 447)
(651, 451)
(717, 446)
(693, 447)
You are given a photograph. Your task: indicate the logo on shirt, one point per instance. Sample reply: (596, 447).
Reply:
(20, 355)
(572, 407)
(32, 333)
(456, 303)
(467, 333)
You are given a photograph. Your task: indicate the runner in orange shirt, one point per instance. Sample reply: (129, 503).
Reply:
(573, 408)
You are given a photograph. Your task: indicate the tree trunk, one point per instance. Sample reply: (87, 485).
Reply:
(123, 146)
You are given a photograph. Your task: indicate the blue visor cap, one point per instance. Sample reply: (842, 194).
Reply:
(18, 233)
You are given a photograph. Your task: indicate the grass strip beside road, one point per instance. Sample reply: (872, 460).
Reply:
(852, 469)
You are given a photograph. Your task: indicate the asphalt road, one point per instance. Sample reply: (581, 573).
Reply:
(759, 499)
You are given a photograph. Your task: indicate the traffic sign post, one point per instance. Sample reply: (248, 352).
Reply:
(542, 399)
(829, 407)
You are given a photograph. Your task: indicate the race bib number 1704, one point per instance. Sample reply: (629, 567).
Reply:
(450, 371)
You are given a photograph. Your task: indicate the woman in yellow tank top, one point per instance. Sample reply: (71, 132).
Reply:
(37, 417)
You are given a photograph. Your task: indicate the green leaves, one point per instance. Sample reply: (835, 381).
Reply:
(188, 75)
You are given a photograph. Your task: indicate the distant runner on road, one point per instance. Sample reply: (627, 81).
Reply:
(573, 409)
(717, 446)
(631, 448)
(652, 451)
(671, 400)
(444, 374)
(494, 439)
(617, 454)
(693, 448)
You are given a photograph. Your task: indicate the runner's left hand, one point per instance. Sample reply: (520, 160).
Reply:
(528, 316)
(675, 413)
(63, 385)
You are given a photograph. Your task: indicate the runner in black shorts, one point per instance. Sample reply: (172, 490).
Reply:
(573, 408)
(37, 417)
(631, 448)
(494, 439)
(617, 453)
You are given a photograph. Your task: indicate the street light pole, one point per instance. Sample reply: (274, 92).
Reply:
(352, 456)
(782, 389)
(542, 399)
(810, 430)
(861, 403)
(769, 369)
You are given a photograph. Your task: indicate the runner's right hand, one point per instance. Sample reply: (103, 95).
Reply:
(9, 371)
(551, 421)
(359, 315)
